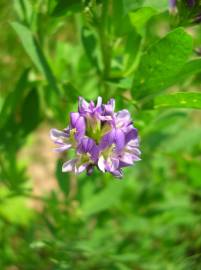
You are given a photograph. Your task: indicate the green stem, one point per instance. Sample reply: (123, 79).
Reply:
(105, 46)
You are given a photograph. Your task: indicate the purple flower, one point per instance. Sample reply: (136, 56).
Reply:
(61, 138)
(70, 136)
(100, 137)
(77, 123)
(118, 149)
(86, 156)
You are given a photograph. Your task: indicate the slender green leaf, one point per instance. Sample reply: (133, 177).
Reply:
(24, 9)
(191, 100)
(89, 42)
(31, 113)
(14, 98)
(131, 53)
(35, 52)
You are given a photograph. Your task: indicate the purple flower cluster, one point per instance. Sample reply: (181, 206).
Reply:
(100, 137)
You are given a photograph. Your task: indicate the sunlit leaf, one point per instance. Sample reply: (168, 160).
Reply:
(161, 62)
(191, 100)
(140, 17)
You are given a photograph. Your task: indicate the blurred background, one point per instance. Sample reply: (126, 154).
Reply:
(53, 51)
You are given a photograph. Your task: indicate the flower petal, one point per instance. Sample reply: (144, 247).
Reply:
(80, 127)
(119, 139)
(101, 163)
(127, 159)
(55, 134)
(112, 164)
(86, 145)
(122, 119)
(81, 168)
(109, 107)
(131, 135)
(99, 102)
(133, 144)
(64, 147)
(107, 140)
(69, 165)
(94, 151)
(118, 174)
(83, 105)
(74, 116)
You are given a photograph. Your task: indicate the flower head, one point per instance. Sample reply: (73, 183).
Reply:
(100, 137)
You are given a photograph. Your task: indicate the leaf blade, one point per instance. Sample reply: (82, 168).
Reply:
(35, 52)
(161, 62)
(189, 100)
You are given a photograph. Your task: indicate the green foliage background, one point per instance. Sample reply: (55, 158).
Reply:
(146, 57)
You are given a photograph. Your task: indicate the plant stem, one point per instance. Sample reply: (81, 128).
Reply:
(105, 46)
